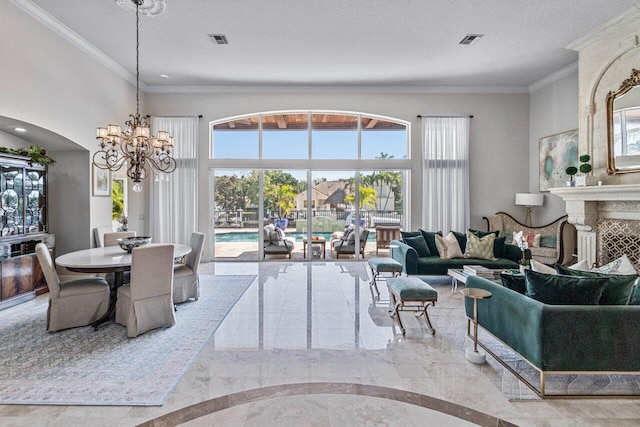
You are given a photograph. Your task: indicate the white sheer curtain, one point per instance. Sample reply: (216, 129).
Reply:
(174, 203)
(446, 173)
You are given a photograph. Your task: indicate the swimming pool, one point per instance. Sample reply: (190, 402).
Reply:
(246, 236)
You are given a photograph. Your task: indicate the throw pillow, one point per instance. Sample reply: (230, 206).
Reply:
(621, 265)
(419, 244)
(406, 234)
(462, 240)
(617, 290)
(533, 240)
(541, 268)
(498, 243)
(273, 236)
(508, 235)
(448, 246)
(549, 241)
(515, 282)
(479, 247)
(581, 265)
(563, 290)
(499, 250)
(430, 238)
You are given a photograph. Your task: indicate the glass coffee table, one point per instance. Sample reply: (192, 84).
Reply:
(459, 275)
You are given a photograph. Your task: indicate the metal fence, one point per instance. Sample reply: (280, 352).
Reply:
(249, 219)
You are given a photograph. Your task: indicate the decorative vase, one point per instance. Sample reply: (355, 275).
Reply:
(571, 183)
(584, 180)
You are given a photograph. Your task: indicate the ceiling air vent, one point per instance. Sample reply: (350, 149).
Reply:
(471, 39)
(219, 38)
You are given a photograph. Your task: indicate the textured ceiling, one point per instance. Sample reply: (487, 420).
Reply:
(341, 42)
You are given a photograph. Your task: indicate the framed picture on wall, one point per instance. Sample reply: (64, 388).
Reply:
(557, 152)
(101, 182)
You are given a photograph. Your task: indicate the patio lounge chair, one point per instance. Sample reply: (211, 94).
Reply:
(347, 245)
(275, 242)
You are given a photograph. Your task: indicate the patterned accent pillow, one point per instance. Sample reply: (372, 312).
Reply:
(479, 247)
(448, 247)
(621, 265)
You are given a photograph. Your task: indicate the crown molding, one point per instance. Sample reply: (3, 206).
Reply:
(554, 77)
(248, 89)
(75, 39)
(631, 15)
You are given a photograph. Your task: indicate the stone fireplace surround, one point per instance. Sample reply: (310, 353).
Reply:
(607, 218)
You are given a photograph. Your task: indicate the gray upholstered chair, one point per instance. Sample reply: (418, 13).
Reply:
(275, 243)
(98, 235)
(147, 302)
(74, 303)
(347, 245)
(185, 276)
(111, 239)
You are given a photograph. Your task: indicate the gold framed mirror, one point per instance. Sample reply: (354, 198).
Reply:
(623, 126)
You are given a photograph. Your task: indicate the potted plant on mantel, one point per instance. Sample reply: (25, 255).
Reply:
(571, 171)
(585, 168)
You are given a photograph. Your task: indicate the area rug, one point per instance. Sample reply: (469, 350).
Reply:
(449, 320)
(81, 366)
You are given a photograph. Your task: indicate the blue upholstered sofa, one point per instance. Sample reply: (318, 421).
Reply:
(560, 338)
(412, 264)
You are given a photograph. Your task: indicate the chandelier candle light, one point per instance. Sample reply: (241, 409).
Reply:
(135, 146)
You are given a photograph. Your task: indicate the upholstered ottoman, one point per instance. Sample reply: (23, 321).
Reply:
(411, 294)
(379, 266)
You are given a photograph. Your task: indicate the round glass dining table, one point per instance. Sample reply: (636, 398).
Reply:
(110, 259)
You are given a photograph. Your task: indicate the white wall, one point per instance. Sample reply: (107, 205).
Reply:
(499, 134)
(553, 109)
(48, 82)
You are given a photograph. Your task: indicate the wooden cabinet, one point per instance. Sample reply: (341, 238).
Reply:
(23, 224)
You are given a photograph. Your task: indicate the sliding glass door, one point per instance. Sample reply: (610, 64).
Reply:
(320, 182)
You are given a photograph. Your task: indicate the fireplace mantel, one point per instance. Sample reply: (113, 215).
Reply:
(597, 193)
(585, 205)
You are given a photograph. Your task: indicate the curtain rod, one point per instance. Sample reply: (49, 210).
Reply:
(199, 116)
(447, 117)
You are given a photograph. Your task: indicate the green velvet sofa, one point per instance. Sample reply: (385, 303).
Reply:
(560, 339)
(433, 265)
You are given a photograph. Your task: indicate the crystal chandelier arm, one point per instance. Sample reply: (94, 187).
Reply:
(108, 159)
(162, 163)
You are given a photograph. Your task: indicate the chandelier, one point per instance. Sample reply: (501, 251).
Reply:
(135, 145)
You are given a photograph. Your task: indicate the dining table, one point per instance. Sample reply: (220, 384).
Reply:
(109, 259)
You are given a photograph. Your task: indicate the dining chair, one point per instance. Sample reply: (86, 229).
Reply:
(111, 239)
(98, 235)
(147, 302)
(185, 276)
(73, 303)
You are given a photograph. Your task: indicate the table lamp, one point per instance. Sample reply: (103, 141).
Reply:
(529, 200)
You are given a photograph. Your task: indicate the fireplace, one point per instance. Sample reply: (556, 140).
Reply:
(607, 219)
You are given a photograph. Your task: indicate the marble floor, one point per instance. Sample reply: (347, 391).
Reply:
(306, 345)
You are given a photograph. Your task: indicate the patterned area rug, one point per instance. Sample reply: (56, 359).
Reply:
(449, 320)
(81, 366)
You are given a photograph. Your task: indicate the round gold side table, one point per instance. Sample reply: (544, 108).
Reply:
(474, 355)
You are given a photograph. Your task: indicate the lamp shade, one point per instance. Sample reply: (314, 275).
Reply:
(528, 199)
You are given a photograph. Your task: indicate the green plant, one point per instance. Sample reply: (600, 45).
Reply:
(585, 167)
(37, 154)
(571, 171)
